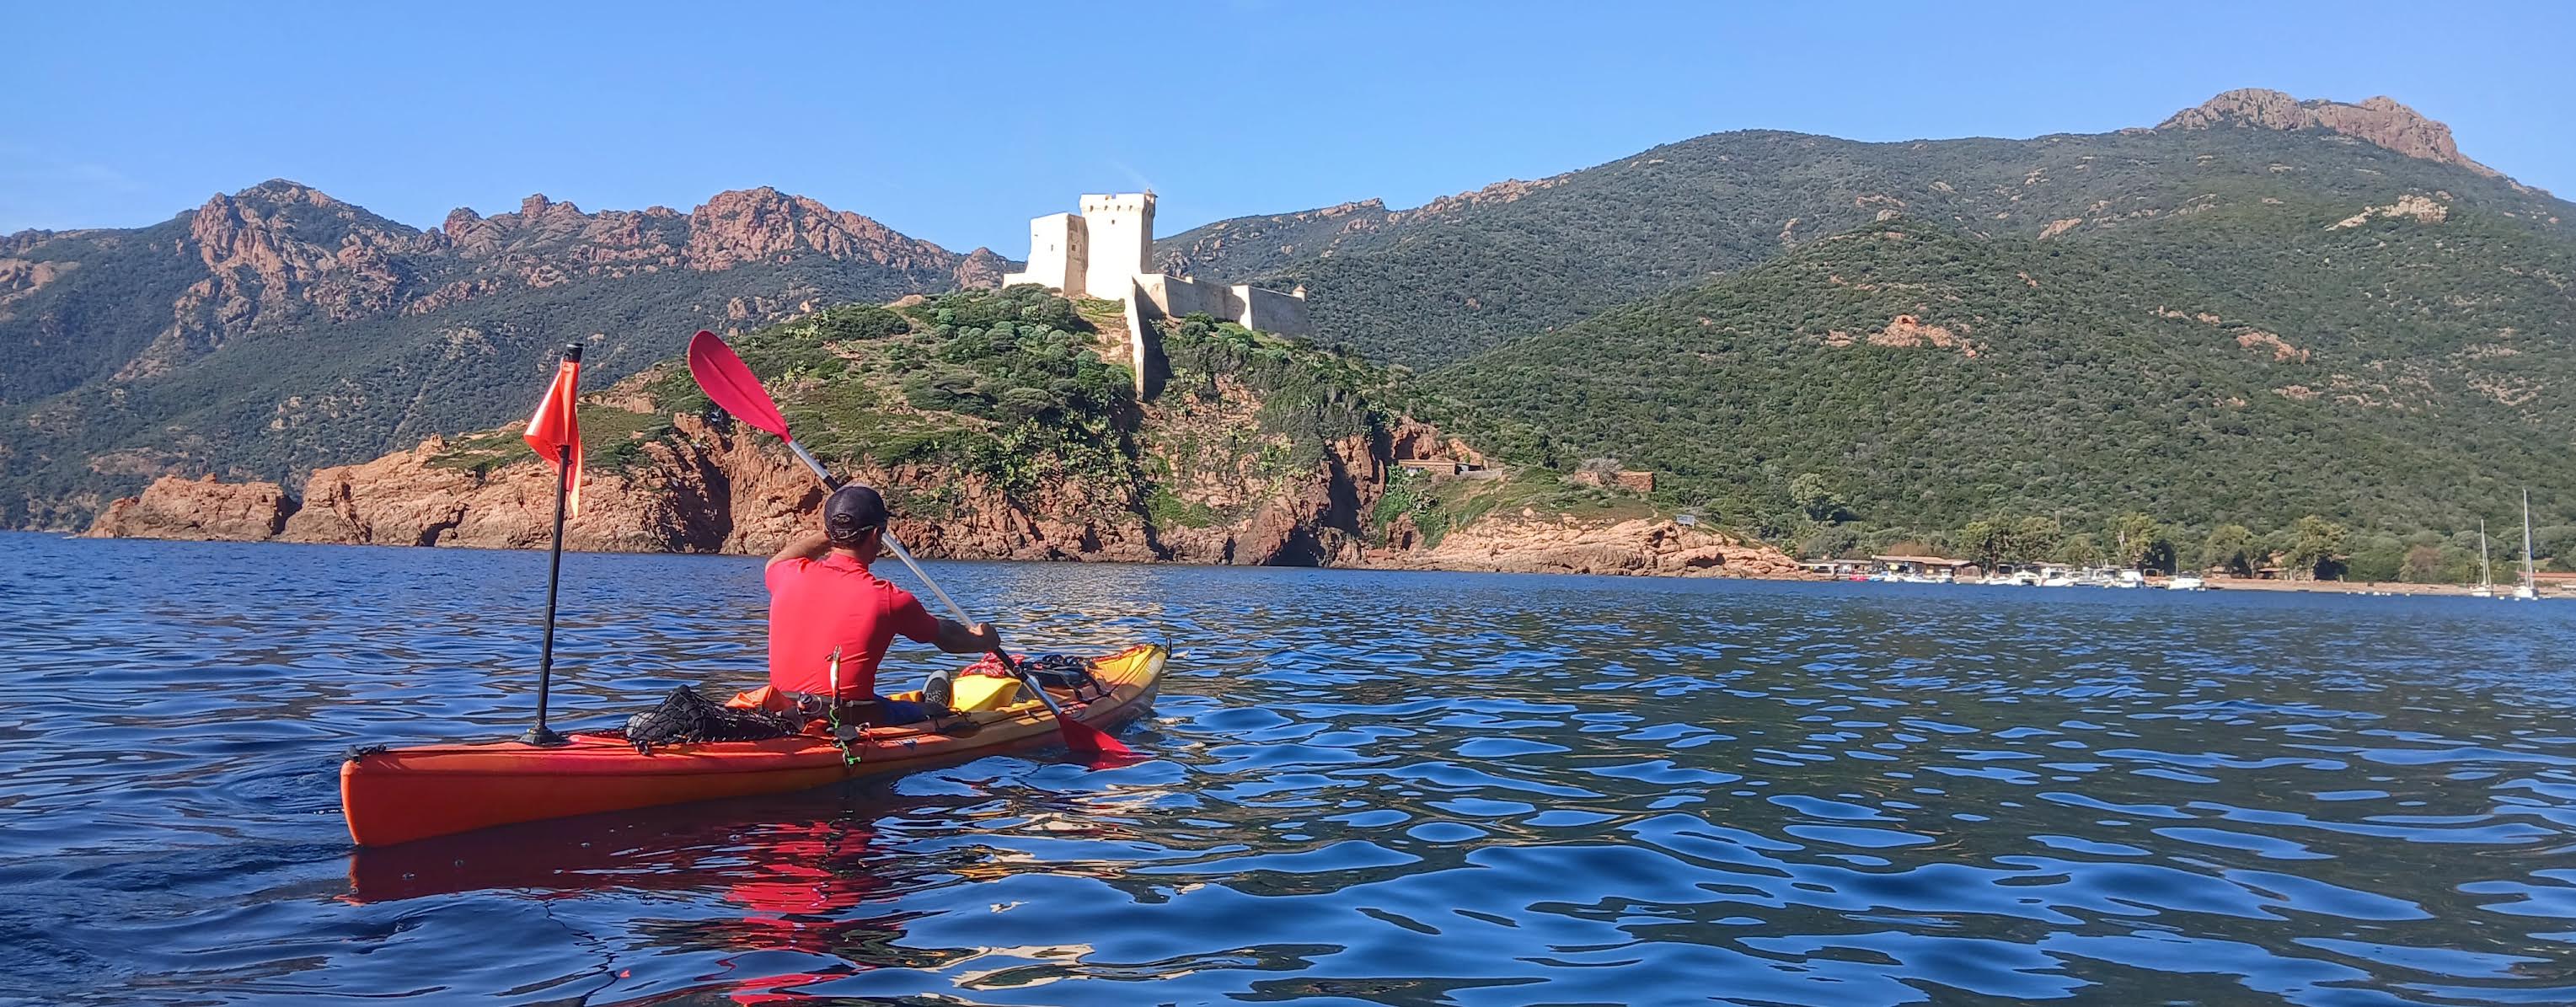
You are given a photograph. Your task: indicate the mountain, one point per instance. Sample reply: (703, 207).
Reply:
(1437, 283)
(2259, 309)
(277, 329)
(1928, 377)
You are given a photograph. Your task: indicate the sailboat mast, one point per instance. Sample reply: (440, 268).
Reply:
(2486, 571)
(2526, 538)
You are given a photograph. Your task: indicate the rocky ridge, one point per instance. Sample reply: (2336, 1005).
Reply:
(281, 254)
(280, 329)
(2381, 120)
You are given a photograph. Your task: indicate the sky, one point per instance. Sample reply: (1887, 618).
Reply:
(957, 122)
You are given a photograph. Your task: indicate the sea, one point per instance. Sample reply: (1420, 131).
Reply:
(1363, 788)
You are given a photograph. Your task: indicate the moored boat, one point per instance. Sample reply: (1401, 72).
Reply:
(396, 795)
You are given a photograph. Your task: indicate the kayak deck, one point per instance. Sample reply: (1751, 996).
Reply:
(401, 794)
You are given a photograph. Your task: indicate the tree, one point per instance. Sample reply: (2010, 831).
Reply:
(2034, 538)
(2080, 550)
(1830, 542)
(2424, 564)
(2557, 543)
(1815, 496)
(2316, 549)
(2140, 541)
(2231, 547)
(1985, 542)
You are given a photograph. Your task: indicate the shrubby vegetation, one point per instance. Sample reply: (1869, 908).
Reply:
(1008, 384)
(1761, 398)
(1429, 288)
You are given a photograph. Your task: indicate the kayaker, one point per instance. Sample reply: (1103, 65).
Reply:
(823, 599)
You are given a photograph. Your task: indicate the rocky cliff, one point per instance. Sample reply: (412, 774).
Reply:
(722, 489)
(1261, 452)
(2381, 120)
(198, 509)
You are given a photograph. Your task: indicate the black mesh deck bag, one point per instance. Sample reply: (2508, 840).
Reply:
(685, 716)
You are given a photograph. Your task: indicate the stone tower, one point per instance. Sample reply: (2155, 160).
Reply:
(1059, 252)
(1121, 227)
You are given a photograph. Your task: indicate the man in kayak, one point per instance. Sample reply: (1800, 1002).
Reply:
(823, 600)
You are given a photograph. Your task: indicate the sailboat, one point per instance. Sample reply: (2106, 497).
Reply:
(2528, 591)
(2486, 572)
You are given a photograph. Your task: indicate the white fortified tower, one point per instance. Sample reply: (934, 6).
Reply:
(1059, 247)
(1107, 252)
(1122, 241)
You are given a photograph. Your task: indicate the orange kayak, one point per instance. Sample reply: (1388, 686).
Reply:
(401, 794)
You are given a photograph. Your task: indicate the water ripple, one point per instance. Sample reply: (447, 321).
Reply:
(1369, 788)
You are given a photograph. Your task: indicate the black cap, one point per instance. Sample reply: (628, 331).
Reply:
(572, 352)
(851, 513)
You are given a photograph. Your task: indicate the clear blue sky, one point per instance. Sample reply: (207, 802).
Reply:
(957, 122)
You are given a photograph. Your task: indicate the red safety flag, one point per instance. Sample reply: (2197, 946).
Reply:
(555, 427)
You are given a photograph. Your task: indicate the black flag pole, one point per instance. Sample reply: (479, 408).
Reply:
(540, 734)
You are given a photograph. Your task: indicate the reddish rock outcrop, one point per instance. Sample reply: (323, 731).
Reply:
(280, 254)
(178, 508)
(1235, 496)
(750, 225)
(20, 278)
(276, 254)
(2381, 120)
(1646, 547)
(710, 491)
(982, 268)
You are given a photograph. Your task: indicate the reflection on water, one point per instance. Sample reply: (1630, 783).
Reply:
(1371, 788)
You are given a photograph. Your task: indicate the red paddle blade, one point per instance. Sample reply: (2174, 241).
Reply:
(729, 382)
(1095, 745)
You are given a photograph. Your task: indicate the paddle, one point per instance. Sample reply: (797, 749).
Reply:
(727, 381)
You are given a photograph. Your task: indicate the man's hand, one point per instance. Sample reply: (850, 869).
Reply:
(959, 638)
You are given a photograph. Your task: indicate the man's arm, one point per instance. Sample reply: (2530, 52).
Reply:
(959, 638)
(811, 545)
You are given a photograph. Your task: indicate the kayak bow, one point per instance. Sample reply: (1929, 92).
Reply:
(398, 795)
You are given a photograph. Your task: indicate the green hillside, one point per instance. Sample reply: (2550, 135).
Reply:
(2076, 383)
(2260, 310)
(1427, 286)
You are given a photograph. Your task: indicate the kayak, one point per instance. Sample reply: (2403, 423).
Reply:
(396, 795)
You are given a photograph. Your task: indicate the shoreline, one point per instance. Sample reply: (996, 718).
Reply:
(2363, 588)
(1410, 563)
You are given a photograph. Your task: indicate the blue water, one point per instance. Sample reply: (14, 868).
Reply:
(1368, 788)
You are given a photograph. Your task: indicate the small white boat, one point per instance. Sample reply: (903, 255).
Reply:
(2186, 582)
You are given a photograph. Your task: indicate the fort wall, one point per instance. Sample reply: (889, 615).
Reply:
(1272, 311)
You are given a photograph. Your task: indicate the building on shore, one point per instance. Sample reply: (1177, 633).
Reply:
(1107, 252)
